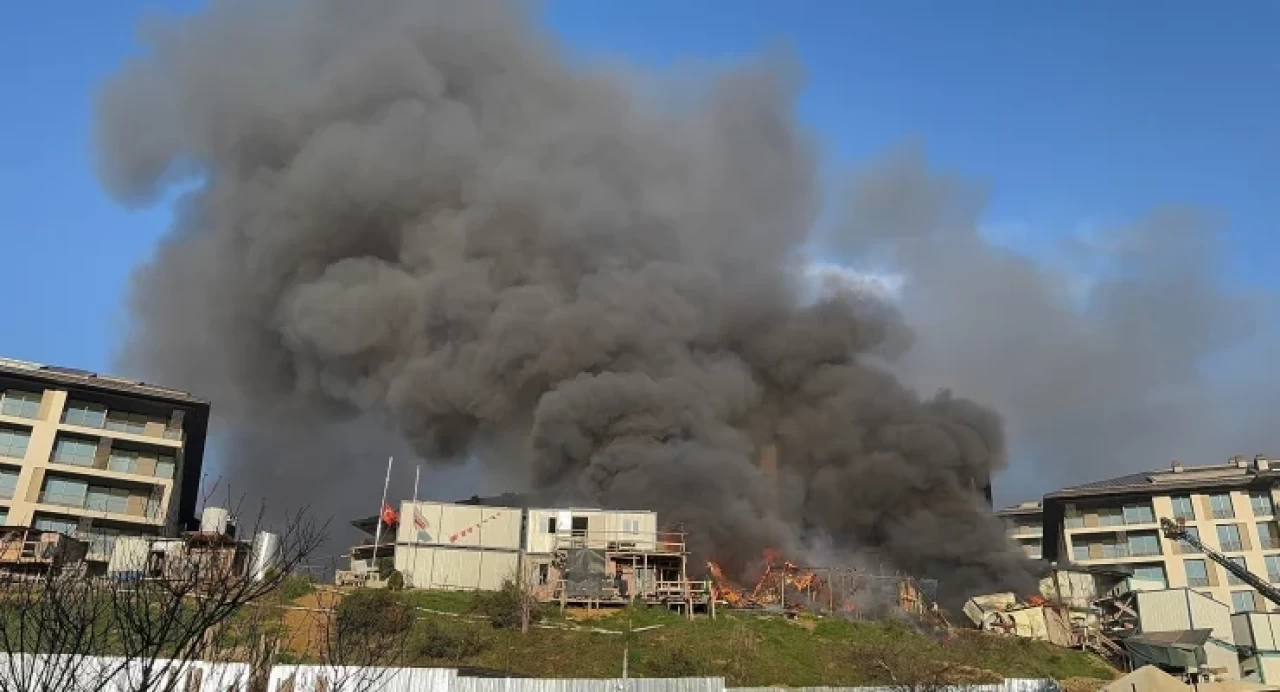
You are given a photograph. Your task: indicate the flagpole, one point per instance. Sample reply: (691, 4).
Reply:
(377, 533)
(417, 470)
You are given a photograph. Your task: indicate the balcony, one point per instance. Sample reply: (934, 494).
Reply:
(116, 505)
(1196, 582)
(1232, 546)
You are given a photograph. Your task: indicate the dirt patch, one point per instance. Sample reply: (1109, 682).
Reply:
(1082, 684)
(306, 623)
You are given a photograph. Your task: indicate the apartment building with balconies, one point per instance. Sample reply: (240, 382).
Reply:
(95, 456)
(1230, 508)
(1024, 523)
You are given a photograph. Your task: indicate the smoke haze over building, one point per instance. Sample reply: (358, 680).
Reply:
(416, 228)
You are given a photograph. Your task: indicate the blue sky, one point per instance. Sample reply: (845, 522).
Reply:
(1073, 113)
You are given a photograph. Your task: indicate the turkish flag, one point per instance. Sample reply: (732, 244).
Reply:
(389, 516)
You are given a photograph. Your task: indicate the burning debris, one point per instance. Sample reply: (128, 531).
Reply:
(850, 592)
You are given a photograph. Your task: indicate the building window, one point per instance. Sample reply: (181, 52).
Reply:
(579, 526)
(1233, 580)
(123, 461)
(64, 491)
(1260, 502)
(1268, 535)
(63, 526)
(1273, 568)
(84, 414)
(21, 404)
(1073, 518)
(544, 574)
(114, 500)
(1143, 545)
(1079, 552)
(1197, 573)
(75, 451)
(1221, 506)
(1032, 549)
(1192, 532)
(1242, 601)
(8, 483)
(1229, 538)
(125, 422)
(4, 516)
(1151, 573)
(13, 442)
(551, 525)
(1139, 514)
(1111, 516)
(1183, 509)
(165, 466)
(631, 526)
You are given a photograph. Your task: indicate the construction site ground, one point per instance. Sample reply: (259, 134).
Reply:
(746, 648)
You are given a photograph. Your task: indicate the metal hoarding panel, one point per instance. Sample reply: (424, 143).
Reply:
(1240, 626)
(356, 679)
(469, 684)
(1206, 613)
(73, 673)
(1163, 611)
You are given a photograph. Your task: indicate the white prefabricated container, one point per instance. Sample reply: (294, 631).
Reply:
(463, 526)
(214, 520)
(1185, 609)
(1261, 632)
(467, 569)
(638, 528)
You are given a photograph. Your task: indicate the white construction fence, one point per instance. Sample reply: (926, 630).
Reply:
(28, 673)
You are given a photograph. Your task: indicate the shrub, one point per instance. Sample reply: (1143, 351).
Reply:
(386, 566)
(673, 663)
(396, 582)
(373, 611)
(502, 607)
(436, 642)
(296, 586)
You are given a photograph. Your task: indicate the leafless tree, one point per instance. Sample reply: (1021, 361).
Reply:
(152, 633)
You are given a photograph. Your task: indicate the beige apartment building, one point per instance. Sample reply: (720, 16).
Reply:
(1025, 524)
(95, 456)
(1230, 507)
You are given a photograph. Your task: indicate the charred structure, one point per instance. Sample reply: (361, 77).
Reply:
(416, 223)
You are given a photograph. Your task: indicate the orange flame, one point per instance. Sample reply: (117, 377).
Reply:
(731, 594)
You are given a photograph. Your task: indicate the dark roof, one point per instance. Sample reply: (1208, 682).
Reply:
(74, 377)
(1017, 510)
(1137, 485)
(195, 420)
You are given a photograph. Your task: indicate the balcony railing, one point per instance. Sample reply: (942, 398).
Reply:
(1232, 546)
(1197, 581)
(1267, 543)
(86, 503)
(1227, 513)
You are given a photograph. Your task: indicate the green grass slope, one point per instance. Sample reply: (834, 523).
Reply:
(747, 649)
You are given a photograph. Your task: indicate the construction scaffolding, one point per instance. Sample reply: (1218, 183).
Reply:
(614, 568)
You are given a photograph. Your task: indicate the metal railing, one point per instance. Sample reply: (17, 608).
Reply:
(663, 542)
(1232, 546)
(1197, 581)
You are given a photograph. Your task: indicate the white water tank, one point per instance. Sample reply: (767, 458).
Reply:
(264, 556)
(214, 520)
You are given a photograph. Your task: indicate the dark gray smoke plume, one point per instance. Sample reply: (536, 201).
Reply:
(1151, 361)
(414, 220)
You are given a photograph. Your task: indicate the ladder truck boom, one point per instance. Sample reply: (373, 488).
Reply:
(1175, 531)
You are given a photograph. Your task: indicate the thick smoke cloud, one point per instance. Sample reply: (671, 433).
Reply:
(414, 223)
(1152, 360)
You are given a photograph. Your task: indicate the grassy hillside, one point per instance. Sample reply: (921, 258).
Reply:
(746, 649)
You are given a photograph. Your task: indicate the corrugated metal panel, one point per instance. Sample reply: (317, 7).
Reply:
(1163, 611)
(1206, 613)
(427, 567)
(466, 684)
(464, 526)
(110, 674)
(356, 679)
